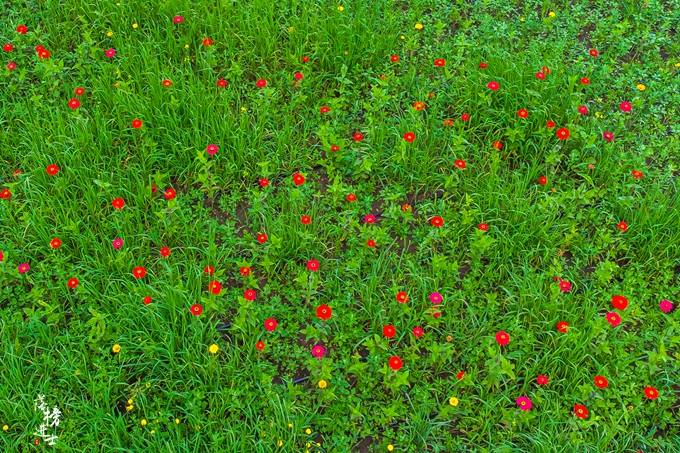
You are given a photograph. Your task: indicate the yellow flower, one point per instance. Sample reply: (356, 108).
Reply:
(290, 425)
(390, 447)
(322, 384)
(213, 348)
(521, 18)
(135, 25)
(153, 431)
(177, 421)
(129, 407)
(641, 86)
(109, 33)
(279, 443)
(143, 422)
(419, 26)
(291, 29)
(551, 14)
(5, 427)
(341, 8)
(116, 348)
(598, 115)
(402, 37)
(308, 431)
(453, 401)
(677, 65)
(186, 46)
(244, 110)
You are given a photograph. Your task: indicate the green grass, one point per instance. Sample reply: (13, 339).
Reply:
(58, 341)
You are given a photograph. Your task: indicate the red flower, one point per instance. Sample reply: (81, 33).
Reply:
(585, 81)
(550, 124)
(212, 149)
(215, 287)
(305, 59)
(79, 91)
(207, 42)
(335, 148)
(169, 193)
(523, 113)
(136, 123)
(619, 302)
(563, 326)
(540, 75)
(165, 251)
(493, 85)
(465, 117)
(565, 286)
(222, 83)
(139, 272)
(196, 309)
(601, 381)
(389, 331)
(118, 203)
(250, 294)
(396, 363)
(324, 109)
(270, 324)
(177, 20)
(298, 179)
(72, 283)
(502, 338)
(483, 65)
(651, 393)
(259, 345)
(147, 300)
(594, 52)
(11, 66)
(370, 243)
(261, 238)
(583, 110)
(210, 270)
(637, 174)
(483, 227)
(8, 47)
(394, 58)
(22, 29)
(55, 243)
(625, 106)
(369, 218)
(409, 137)
(402, 297)
(580, 411)
(351, 197)
(497, 145)
(73, 104)
(440, 62)
(263, 182)
(357, 136)
(460, 375)
(562, 133)
(261, 83)
(542, 379)
(460, 164)
(166, 83)
(542, 180)
(622, 226)
(613, 318)
(244, 271)
(52, 169)
(313, 265)
(305, 220)
(298, 76)
(5, 194)
(324, 312)
(418, 331)
(437, 221)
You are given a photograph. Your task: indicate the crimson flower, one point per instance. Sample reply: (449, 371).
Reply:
(460, 164)
(583, 110)
(395, 363)
(305, 219)
(324, 312)
(136, 123)
(305, 58)
(418, 331)
(613, 318)
(497, 145)
(593, 52)
(52, 169)
(8, 47)
(210, 270)
(335, 148)
(139, 272)
(625, 106)
(73, 283)
(483, 65)
(409, 137)
(493, 85)
(483, 227)
(244, 271)
(270, 324)
(313, 265)
(263, 182)
(369, 218)
(22, 29)
(389, 331)
(324, 109)
(177, 19)
(502, 338)
(261, 238)
(542, 379)
(261, 83)
(212, 149)
(73, 103)
(79, 91)
(147, 300)
(460, 375)
(357, 136)
(110, 53)
(222, 83)
(370, 243)
(351, 197)
(298, 179)
(608, 136)
(562, 133)
(562, 326)
(298, 76)
(165, 251)
(637, 174)
(215, 287)
(465, 117)
(250, 294)
(565, 286)
(394, 58)
(550, 124)
(540, 75)
(169, 193)
(118, 203)
(585, 81)
(11, 66)
(542, 180)
(207, 42)
(619, 302)
(196, 309)
(166, 83)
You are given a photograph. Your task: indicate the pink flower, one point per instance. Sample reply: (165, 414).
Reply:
(524, 403)
(23, 268)
(666, 306)
(318, 351)
(117, 243)
(110, 53)
(436, 298)
(178, 19)
(212, 149)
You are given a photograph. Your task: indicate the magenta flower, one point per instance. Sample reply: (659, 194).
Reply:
(178, 19)
(23, 268)
(666, 306)
(110, 53)
(212, 149)
(318, 351)
(524, 403)
(117, 243)
(436, 298)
